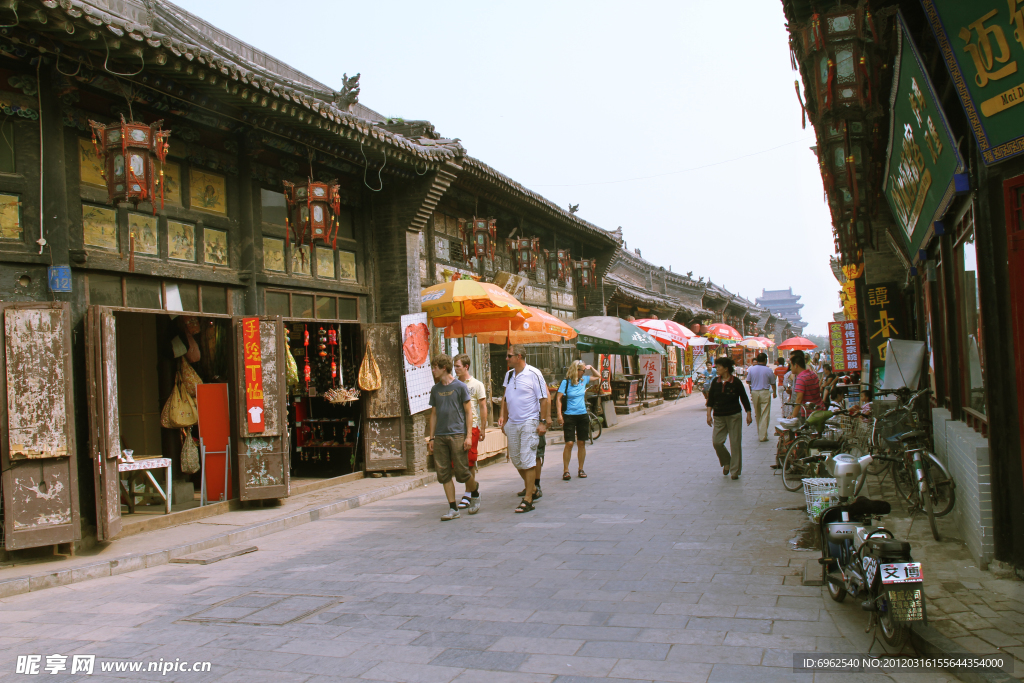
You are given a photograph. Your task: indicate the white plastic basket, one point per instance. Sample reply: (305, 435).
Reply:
(820, 493)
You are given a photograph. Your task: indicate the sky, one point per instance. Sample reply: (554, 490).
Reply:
(676, 120)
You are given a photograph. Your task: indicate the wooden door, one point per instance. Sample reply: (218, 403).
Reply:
(104, 419)
(37, 452)
(1014, 198)
(384, 440)
(263, 457)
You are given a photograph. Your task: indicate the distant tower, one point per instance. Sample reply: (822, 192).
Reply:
(784, 304)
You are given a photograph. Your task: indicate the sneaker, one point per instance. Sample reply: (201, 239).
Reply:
(474, 505)
(451, 514)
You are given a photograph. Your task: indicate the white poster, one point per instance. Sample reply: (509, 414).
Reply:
(416, 356)
(650, 367)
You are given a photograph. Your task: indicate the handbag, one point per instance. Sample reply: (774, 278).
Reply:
(189, 453)
(189, 377)
(564, 399)
(180, 410)
(369, 373)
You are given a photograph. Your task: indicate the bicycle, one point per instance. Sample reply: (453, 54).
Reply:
(806, 456)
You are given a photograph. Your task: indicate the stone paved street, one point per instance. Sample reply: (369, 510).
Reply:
(655, 568)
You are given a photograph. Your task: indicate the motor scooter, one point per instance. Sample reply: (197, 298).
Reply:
(865, 560)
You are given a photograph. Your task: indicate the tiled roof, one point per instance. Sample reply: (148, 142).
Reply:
(638, 295)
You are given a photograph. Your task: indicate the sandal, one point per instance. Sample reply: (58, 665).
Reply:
(581, 474)
(524, 506)
(566, 476)
(464, 503)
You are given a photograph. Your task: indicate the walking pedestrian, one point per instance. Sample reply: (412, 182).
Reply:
(806, 388)
(448, 435)
(525, 410)
(780, 374)
(787, 393)
(723, 405)
(761, 381)
(481, 416)
(573, 417)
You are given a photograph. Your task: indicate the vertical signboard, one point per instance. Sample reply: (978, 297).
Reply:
(923, 156)
(844, 344)
(416, 357)
(604, 361)
(254, 407)
(885, 320)
(650, 367)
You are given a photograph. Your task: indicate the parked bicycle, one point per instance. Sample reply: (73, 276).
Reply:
(807, 454)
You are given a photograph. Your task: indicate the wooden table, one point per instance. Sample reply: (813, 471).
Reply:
(145, 466)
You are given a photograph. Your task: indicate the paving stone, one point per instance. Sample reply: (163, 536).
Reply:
(624, 650)
(541, 646)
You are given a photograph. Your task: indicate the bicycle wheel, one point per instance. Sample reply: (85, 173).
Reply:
(940, 485)
(929, 508)
(905, 483)
(595, 427)
(794, 467)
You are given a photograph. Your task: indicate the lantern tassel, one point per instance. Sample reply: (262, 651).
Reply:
(867, 78)
(803, 109)
(828, 84)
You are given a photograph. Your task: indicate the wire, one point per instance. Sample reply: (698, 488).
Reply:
(366, 165)
(57, 67)
(685, 170)
(17, 19)
(107, 68)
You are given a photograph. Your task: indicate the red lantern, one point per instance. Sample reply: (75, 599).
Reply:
(482, 235)
(525, 251)
(129, 151)
(313, 210)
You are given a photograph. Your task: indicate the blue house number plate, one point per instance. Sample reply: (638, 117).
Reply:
(59, 278)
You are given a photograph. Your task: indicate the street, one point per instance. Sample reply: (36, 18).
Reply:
(655, 568)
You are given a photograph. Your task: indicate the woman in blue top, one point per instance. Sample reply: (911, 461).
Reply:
(574, 419)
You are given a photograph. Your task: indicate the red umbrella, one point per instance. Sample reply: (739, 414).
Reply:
(724, 332)
(797, 343)
(665, 331)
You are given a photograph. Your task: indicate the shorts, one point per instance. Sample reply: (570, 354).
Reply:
(449, 457)
(522, 443)
(576, 427)
(471, 455)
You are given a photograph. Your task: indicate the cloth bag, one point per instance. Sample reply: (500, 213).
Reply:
(180, 410)
(189, 453)
(189, 377)
(369, 373)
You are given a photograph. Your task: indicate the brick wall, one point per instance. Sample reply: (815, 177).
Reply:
(966, 454)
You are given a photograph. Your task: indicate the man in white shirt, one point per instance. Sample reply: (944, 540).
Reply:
(762, 390)
(481, 416)
(525, 410)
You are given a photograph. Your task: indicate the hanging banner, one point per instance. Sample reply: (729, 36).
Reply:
(416, 357)
(982, 43)
(885, 320)
(253, 375)
(844, 345)
(605, 362)
(650, 367)
(923, 157)
(688, 357)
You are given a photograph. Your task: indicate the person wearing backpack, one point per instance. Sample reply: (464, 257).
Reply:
(571, 407)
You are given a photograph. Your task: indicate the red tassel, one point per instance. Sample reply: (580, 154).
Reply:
(867, 78)
(828, 84)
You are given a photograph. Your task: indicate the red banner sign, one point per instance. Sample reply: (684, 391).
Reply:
(253, 374)
(605, 363)
(844, 343)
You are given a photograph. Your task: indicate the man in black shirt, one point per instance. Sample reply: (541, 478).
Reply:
(724, 398)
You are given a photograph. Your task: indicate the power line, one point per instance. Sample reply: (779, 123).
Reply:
(685, 170)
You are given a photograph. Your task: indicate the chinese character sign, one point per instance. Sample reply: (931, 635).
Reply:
(885, 320)
(844, 343)
(982, 43)
(253, 362)
(923, 157)
(650, 367)
(605, 363)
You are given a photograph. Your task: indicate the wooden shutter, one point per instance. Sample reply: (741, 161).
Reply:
(263, 458)
(104, 419)
(40, 475)
(384, 440)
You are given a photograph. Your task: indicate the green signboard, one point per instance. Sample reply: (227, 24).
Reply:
(922, 158)
(982, 43)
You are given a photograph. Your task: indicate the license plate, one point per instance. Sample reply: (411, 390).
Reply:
(902, 572)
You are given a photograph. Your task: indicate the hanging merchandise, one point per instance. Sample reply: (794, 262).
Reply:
(524, 253)
(482, 234)
(128, 152)
(313, 210)
(189, 377)
(322, 343)
(369, 373)
(180, 410)
(189, 453)
(291, 367)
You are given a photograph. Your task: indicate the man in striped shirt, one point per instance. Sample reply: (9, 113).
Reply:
(806, 388)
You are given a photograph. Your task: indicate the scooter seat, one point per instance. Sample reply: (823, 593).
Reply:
(789, 422)
(898, 440)
(826, 444)
(889, 548)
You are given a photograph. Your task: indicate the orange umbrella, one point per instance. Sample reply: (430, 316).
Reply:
(463, 301)
(797, 343)
(540, 327)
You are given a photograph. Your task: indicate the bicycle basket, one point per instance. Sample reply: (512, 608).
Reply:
(897, 422)
(820, 494)
(838, 427)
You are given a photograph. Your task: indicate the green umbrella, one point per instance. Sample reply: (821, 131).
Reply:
(607, 334)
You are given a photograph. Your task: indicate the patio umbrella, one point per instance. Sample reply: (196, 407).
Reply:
(797, 343)
(699, 342)
(607, 334)
(467, 301)
(666, 331)
(751, 343)
(540, 327)
(766, 341)
(723, 332)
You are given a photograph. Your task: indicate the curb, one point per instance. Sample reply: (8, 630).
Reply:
(928, 641)
(131, 563)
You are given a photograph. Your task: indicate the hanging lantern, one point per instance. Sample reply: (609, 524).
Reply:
(586, 272)
(558, 263)
(482, 234)
(525, 251)
(313, 210)
(129, 152)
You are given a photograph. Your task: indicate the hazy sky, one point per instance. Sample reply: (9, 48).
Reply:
(676, 120)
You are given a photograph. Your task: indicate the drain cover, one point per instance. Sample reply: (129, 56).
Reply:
(265, 609)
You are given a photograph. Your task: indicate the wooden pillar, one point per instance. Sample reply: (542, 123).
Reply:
(250, 236)
(949, 294)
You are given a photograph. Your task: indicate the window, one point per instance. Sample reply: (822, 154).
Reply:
(189, 294)
(301, 305)
(275, 210)
(969, 304)
(142, 292)
(215, 299)
(278, 303)
(105, 290)
(346, 226)
(325, 307)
